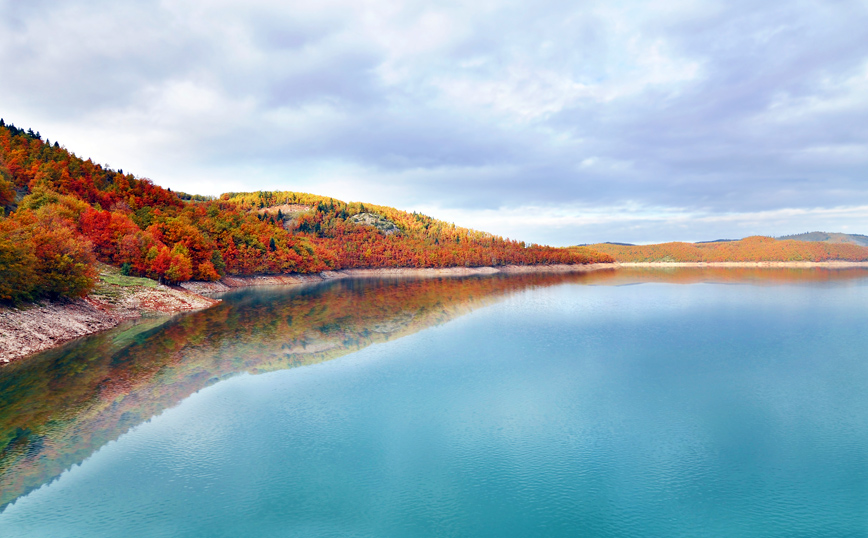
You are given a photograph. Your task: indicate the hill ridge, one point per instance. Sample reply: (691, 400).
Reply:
(828, 237)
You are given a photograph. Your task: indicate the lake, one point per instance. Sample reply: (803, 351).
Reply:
(682, 402)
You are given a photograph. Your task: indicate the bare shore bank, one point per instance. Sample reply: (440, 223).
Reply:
(35, 328)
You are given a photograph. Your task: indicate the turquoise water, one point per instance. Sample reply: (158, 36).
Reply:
(553, 409)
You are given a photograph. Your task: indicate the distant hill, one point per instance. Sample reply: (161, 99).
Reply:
(824, 237)
(60, 214)
(749, 249)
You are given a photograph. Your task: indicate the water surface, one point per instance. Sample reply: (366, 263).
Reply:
(698, 403)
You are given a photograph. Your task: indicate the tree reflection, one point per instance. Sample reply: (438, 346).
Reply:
(60, 406)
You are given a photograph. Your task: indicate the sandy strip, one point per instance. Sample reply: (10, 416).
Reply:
(804, 265)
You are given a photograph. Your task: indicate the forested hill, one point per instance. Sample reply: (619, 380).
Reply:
(61, 214)
(749, 249)
(825, 237)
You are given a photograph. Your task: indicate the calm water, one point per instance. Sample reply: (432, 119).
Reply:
(695, 403)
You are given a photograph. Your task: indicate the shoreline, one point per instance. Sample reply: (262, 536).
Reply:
(47, 325)
(796, 265)
(44, 326)
(230, 283)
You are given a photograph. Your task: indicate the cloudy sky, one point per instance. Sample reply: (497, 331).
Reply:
(559, 122)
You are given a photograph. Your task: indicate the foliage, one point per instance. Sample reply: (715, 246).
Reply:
(152, 232)
(17, 265)
(340, 231)
(42, 256)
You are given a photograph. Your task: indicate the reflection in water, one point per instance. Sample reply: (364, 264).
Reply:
(724, 275)
(62, 405)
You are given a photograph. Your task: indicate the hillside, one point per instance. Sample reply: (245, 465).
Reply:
(824, 237)
(62, 214)
(750, 249)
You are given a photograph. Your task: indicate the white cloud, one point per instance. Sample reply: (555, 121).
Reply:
(833, 95)
(633, 222)
(710, 108)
